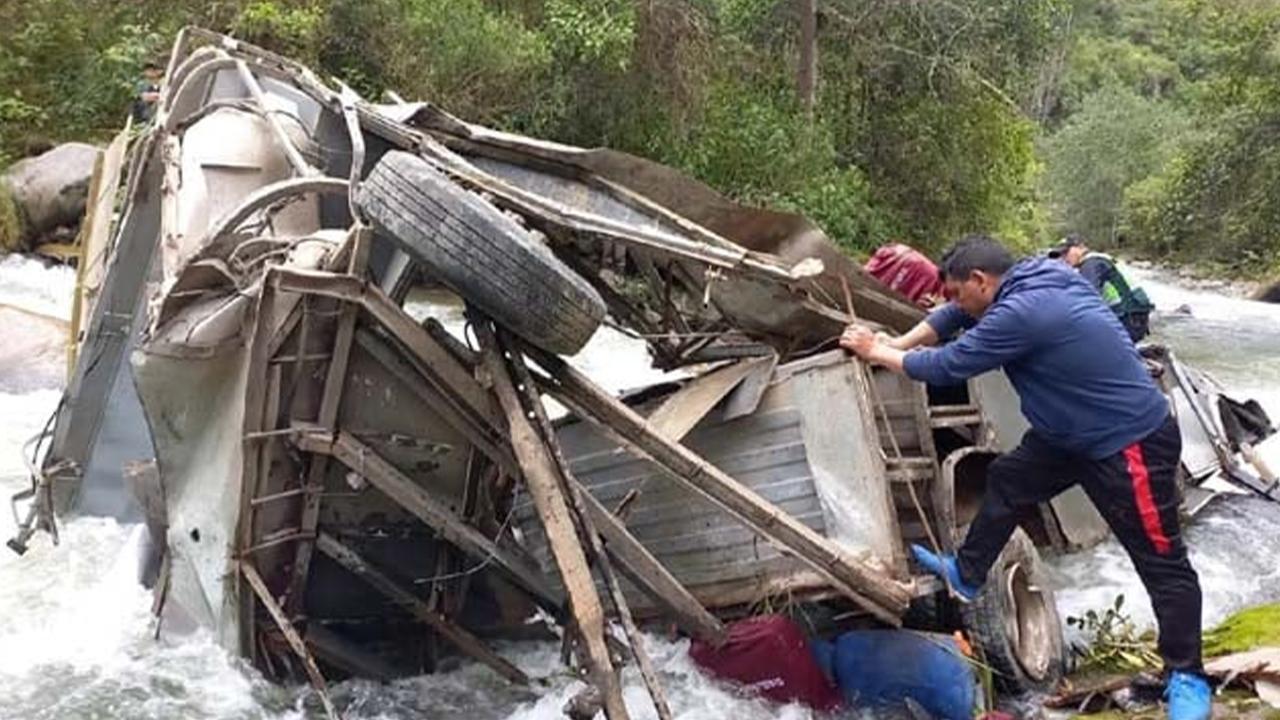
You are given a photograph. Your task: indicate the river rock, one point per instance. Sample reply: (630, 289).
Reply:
(43, 193)
(1268, 292)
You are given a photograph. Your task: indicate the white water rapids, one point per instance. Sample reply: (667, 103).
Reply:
(76, 632)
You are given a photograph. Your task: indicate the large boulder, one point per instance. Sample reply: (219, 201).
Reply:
(40, 194)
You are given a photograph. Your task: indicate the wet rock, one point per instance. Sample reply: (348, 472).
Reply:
(41, 194)
(1268, 293)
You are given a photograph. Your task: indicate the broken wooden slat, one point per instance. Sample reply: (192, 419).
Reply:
(575, 494)
(682, 410)
(256, 403)
(544, 488)
(870, 587)
(463, 640)
(380, 473)
(291, 635)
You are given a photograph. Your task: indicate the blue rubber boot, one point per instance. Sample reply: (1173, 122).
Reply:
(1189, 697)
(944, 566)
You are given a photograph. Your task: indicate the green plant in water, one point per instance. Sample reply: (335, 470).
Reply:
(1112, 643)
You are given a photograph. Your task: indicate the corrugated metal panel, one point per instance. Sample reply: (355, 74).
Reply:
(698, 542)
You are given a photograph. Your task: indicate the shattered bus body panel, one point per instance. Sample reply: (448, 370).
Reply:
(326, 477)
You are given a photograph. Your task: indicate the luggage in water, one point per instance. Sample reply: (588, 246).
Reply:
(769, 656)
(878, 668)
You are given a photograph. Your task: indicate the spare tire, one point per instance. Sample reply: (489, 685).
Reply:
(1014, 621)
(481, 254)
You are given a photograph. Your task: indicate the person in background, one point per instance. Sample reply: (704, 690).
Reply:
(1097, 420)
(1128, 302)
(147, 93)
(907, 271)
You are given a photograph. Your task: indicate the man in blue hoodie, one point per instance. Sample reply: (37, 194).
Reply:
(1097, 420)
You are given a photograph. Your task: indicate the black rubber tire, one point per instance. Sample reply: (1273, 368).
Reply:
(993, 621)
(481, 254)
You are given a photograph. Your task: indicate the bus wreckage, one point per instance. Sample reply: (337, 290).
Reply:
(337, 489)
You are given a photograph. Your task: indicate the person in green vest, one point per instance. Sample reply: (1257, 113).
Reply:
(1128, 302)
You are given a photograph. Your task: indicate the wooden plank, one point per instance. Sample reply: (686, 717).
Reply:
(635, 562)
(646, 573)
(868, 586)
(544, 488)
(463, 640)
(251, 478)
(575, 495)
(380, 473)
(361, 238)
(682, 410)
(291, 635)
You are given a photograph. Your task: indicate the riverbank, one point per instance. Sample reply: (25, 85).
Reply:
(1204, 278)
(1242, 656)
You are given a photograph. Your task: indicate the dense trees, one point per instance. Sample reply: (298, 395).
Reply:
(1166, 130)
(1149, 120)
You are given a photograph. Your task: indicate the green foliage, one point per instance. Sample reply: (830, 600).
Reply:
(1166, 131)
(917, 133)
(1087, 173)
(1112, 644)
(593, 32)
(954, 166)
(477, 62)
(289, 29)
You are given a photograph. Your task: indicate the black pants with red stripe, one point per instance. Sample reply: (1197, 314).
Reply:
(1136, 494)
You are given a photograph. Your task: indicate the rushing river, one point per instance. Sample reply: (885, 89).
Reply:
(76, 632)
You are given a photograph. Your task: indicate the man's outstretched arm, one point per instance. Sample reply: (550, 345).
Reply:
(941, 324)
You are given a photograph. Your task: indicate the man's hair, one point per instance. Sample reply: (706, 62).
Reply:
(974, 252)
(151, 65)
